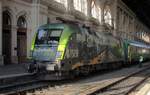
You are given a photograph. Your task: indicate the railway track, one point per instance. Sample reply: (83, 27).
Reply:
(124, 86)
(87, 89)
(14, 83)
(97, 87)
(28, 85)
(21, 87)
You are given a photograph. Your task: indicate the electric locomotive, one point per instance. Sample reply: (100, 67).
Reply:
(74, 49)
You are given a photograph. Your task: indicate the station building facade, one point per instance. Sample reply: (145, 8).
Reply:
(20, 19)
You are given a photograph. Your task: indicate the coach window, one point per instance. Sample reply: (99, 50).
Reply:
(64, 2)
(96, 11)
(107, 16)
(80, 5)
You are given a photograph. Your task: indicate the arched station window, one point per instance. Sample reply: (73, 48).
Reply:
(22, 39)
(64, 2)
(21, 23)
(96, 11)
(80, 5)
(6, 36)
(6, 18)
(107, 16)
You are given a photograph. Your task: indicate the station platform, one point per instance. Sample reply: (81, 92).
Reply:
(13, 70)
(145, 89)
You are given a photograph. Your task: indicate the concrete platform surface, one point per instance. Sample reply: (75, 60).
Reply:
(13, 69)
(145, 89)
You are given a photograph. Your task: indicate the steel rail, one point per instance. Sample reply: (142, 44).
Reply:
(103, 89)
(137, 85)
(34, 84)
(20, 87)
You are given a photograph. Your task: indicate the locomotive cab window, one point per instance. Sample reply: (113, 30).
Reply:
(48, 37)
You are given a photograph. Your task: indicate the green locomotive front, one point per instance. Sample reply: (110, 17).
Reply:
(49, 44)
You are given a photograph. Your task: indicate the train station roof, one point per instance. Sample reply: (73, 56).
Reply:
(141, 8)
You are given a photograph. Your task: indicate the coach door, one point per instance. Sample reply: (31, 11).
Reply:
(6, 37)
(21, 40)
